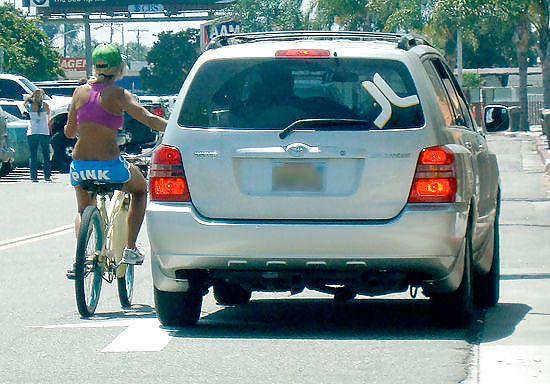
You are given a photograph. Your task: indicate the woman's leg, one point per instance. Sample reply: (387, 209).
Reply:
(33, 158)
(46, 165)
(138, 188)
(83, 199)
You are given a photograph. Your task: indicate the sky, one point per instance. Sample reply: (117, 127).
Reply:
(148, 30)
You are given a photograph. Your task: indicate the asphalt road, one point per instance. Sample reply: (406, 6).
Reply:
(277, 338)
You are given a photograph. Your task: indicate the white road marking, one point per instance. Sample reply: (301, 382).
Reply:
(140, 335)
(20, 241)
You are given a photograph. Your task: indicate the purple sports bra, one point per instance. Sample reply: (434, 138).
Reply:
(93, 112)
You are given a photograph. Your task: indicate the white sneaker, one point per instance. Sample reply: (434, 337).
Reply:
(132, 256)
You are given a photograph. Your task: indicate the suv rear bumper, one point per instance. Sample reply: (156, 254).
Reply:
(424, 240)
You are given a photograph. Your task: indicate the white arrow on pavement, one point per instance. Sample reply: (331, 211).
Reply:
(140, 335)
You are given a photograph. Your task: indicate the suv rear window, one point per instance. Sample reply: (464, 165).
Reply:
(274, 93)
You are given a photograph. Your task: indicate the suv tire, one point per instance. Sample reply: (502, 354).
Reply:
(456, 309)
(231, 294)
(5, 168)
(178, 309)
(487, 287)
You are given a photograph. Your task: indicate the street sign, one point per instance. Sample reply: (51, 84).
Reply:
(39, 3)
(146, 8)
(132, 6)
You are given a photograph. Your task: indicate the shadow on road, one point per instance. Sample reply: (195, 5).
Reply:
(137, 311)
(501, 321)
(365, 319)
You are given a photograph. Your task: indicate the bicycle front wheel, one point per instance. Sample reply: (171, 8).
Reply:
(88, 269)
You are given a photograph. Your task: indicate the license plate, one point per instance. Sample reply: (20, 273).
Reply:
(298, 177)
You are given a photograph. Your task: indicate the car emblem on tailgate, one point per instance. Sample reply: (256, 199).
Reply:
(297, 149)
(206, 154)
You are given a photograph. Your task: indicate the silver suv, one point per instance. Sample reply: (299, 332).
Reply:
(343, 162)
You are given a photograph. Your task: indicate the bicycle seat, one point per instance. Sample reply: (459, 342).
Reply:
(100, 187)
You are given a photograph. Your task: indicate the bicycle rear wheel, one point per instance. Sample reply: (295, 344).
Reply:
(88, 269)
(125, 286)
(117, 238)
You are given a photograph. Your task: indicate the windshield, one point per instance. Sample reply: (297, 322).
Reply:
(275, 93)
(14, 110)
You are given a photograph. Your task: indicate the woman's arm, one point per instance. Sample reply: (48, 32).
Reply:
(49, 113)
(138, 112)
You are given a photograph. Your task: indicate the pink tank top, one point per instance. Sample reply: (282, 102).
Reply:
(93, 112)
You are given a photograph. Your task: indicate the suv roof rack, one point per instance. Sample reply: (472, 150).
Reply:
(404, 41)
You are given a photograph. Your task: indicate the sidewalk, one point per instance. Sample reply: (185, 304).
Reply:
(542, 143)
(515, 345)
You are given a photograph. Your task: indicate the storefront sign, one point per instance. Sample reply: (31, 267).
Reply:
(73, 63)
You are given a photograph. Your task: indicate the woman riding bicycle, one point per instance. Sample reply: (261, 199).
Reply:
(95, 116)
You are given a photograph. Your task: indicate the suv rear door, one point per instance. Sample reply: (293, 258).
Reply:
(351, 155)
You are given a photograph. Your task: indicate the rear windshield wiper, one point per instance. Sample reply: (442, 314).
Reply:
(327, 125)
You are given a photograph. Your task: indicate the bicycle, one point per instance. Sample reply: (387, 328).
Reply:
(101, 241)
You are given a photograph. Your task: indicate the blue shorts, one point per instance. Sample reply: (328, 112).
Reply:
(111, 171)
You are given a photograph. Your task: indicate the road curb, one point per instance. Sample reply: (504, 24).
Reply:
(544, 151)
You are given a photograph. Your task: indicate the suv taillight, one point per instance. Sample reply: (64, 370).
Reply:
(167, 180)
(435, 177)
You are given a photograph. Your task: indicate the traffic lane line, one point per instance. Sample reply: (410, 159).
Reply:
(20, 241)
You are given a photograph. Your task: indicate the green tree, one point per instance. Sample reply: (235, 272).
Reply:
(170, 60)
(267, 15)
(66, 36)
(27, 49)
(522, 15)
(136, 52)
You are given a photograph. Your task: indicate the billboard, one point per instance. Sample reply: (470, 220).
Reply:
(215, 28)
(136, 6)
(73, 63)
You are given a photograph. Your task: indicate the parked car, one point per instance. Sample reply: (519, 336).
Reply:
(343, 162)
(17, 125)
(17, 87)
(58, 87)
(7, 153)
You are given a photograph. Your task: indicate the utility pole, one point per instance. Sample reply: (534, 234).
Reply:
(65, 40)
(459, 59)
(88, 44)
(1, 59)
(138, 31)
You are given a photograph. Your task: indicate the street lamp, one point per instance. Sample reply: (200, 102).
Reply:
(64, 35)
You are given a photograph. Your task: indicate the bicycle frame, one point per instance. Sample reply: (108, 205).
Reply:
(113, 209)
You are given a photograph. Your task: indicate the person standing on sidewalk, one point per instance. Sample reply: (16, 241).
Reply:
(38, 134)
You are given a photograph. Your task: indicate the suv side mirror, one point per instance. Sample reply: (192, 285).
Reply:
(496, 118)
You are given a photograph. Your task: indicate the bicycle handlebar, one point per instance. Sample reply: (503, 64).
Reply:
(144, 154)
